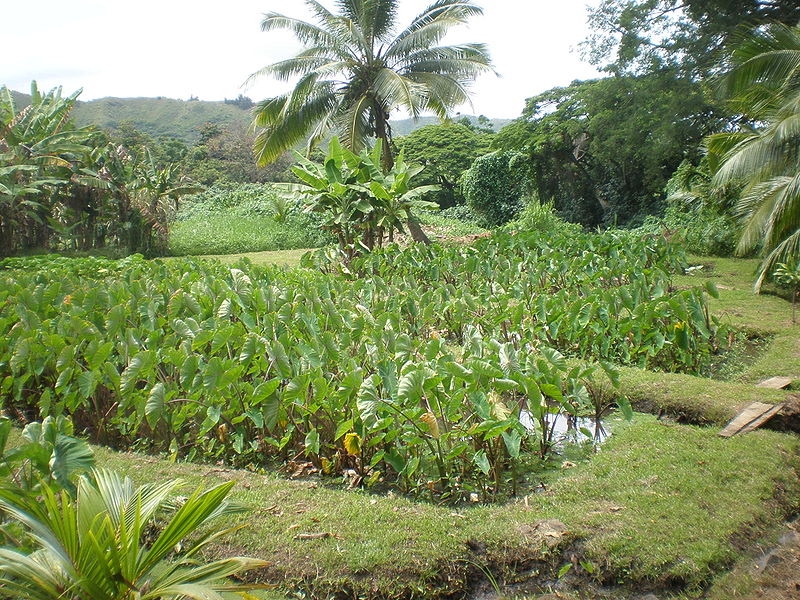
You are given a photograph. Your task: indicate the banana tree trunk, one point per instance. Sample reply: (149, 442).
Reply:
(382, 132)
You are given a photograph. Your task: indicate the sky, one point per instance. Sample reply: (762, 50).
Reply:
(178, 48)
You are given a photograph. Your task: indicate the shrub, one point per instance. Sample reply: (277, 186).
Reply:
(494, 187)
(705, 230)
(543, 218)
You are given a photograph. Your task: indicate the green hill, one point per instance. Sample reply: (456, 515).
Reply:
(182, 119)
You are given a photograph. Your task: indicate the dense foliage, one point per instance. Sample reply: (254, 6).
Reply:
(359, 203)
(445, 151)
(63, 187)
(429, 368)
(495, 187)
(603, 150)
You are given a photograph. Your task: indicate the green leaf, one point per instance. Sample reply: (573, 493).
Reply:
(154, 408)
(312, 443)
(482, 461)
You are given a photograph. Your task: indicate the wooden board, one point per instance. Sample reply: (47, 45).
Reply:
(775, 383)
(753, 416)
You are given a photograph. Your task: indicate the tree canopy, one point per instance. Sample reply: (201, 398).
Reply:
(355, 69)
(603, 150)
(445, 151)
(642, 36)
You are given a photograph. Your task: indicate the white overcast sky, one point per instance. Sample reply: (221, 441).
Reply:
(178, 48)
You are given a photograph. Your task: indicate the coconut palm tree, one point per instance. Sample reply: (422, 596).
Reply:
(764, 157)
(355, 70)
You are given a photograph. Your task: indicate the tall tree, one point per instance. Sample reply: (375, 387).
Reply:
(603, 150)
(764, 156)
(641, 36)
(355, 70)
(446, 151)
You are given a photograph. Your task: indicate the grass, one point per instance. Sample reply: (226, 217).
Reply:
(282, 258)
(223, 234)
(655, 507)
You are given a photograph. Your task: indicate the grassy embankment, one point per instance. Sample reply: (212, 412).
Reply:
(662, 505)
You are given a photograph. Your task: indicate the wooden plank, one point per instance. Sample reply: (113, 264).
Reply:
(753, 416)
(775, 383)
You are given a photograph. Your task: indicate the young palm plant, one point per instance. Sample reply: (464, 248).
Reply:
(94, 546)
(355, 70)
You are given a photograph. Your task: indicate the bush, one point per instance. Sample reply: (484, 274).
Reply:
(543, 218)
(494, 187)
(705, 230)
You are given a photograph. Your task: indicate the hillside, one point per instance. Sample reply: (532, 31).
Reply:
(182, 119)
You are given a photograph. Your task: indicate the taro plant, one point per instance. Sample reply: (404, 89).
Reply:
(48, 455)
(94, 545)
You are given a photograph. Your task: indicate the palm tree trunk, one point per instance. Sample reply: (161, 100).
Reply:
(382, 132)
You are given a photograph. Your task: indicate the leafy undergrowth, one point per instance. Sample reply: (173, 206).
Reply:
(660, 505)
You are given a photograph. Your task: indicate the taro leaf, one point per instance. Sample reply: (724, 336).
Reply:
(343, 428)
(367, 402)
(224, 310)
(555, 358)
(154, 408)
(136, 369)
(711, 288)
(611, 372)
(87, 382)
(625, 407)
(512, 441)
(312, 443)
(396, 461)
(70, 456)
(280, 359)
(410, 388)
(482, 461)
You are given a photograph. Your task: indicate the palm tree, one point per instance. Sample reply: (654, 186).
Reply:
(764, 158)
(94, 546)
(354, 71)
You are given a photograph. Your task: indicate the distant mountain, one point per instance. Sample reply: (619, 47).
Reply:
(182, 119)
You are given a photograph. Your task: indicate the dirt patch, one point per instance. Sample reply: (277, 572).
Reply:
(775, 575)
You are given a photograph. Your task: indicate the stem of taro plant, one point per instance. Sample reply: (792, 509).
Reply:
(435, 450)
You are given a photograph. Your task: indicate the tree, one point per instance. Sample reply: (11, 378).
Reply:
(353, 72)
(494, 187)
(39, 148)
(644, 36)
(361, 204)
(94, 546)
(603, 150)
(763, 157)
(445, 151)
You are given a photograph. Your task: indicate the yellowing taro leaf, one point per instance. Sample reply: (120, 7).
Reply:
(433, 425)
(352, 443)
(499, 409)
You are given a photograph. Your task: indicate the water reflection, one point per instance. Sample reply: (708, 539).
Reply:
(568, 429)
